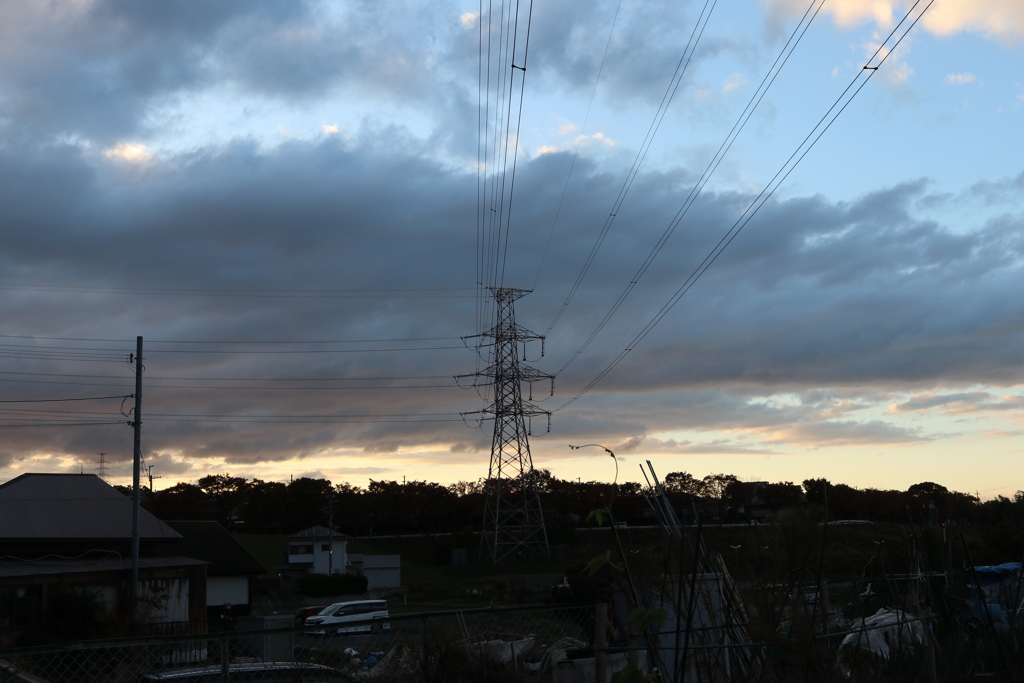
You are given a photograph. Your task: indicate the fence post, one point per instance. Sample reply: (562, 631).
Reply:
(823, 594)
(225, 661)
(600, 642)
(930, 635)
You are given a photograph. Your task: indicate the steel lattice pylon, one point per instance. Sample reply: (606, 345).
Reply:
(513, 524)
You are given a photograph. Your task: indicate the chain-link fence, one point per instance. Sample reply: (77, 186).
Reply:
(496, 645)
(908, 628)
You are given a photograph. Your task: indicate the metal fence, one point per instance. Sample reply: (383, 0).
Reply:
(491, 644)
(853, 629)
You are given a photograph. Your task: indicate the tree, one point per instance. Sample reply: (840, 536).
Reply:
(781, 495)
(308, 502)
(226, 495)
(266, 506)
(183, 501)
(817, 490)
(716, 485)
(350, 512)
(684, 483)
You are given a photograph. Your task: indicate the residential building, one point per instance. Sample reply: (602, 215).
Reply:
(75, 531)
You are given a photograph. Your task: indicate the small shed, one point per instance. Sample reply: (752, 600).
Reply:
(381, 571)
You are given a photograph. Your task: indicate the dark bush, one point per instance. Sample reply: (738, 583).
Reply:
(320, 585)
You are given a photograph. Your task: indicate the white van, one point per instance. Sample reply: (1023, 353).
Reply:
(358, 616)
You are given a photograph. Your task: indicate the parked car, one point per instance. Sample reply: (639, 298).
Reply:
(254, 672)
(306, 612)
(358, 616)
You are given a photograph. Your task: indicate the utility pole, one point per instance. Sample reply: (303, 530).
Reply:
(330, 525)
(513, 523)
(149, 470)
(133, 590)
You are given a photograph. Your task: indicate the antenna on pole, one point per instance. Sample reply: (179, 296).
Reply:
(513, 524)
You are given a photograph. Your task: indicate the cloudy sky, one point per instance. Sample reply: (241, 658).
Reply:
(284, 200)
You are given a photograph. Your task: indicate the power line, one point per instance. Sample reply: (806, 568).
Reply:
(353, 420)
(242, 379)
(496, 188)
(641, 155)
(308, 351)
(790, 164)
(519, 121)
(272, 416)
(408, 293)
(221, 341)
(74, 384)
(304, 388)
(769, 78)
(61, 400)
(579, 141)
(60, 424)
(29, 411)
(268, 418)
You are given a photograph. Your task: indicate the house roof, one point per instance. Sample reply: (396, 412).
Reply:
(71, 507)
(317, 532)
(84, 565)
(211, 542)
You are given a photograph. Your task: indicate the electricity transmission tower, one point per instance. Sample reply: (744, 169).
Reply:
(102, 462)
(513, 525)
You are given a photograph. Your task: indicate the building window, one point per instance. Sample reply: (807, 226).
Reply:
(326, 547)
(300, 550)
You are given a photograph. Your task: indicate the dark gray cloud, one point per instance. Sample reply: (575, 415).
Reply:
(97, 69)
(818, 311)
(108, 70)
(814, 294)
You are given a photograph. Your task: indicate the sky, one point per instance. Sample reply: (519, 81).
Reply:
(283, 200)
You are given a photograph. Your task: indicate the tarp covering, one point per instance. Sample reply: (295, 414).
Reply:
(1004, 568)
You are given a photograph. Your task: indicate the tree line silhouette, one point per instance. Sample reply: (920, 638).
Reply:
(414, 507)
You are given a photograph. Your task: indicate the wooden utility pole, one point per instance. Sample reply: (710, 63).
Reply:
(133, 590)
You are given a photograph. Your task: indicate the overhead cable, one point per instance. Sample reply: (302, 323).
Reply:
(769, 78)
(845, 98)
(641, 155)
(579, 141)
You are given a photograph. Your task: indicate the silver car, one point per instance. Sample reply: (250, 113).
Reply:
(357, 616)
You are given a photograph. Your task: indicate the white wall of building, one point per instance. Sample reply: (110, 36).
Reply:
(164, 599)
(318, 552)
(383, 571)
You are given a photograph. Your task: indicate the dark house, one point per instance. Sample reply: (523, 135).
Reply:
(230, 571)
(75, 531)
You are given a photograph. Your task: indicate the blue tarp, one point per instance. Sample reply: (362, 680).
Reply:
(1004, 568)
